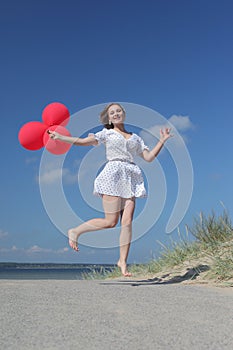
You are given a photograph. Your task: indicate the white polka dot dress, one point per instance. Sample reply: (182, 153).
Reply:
(120, 176)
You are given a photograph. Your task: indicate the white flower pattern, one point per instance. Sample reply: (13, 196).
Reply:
(120, 176)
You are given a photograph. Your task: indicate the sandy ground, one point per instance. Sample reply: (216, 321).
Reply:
(117, 314)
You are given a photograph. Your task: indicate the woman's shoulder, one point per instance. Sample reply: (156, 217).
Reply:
(105, 131)
(102, 135)
(101, 131)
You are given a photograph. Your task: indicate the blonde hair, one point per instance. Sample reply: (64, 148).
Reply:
(104, 115)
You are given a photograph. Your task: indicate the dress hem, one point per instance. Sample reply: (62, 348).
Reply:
(97, 194)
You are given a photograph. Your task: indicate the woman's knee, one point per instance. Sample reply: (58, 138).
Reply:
(110, 223)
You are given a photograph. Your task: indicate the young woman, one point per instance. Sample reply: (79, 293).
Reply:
(121, 181)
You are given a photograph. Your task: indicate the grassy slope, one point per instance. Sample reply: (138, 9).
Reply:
(208, 259)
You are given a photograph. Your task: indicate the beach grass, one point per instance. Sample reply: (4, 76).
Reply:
(100, 273)
(204, 253)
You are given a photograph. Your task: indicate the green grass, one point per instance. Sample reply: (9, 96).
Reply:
(222, 269)
(212, 241)
(212, 230)
(98, 274)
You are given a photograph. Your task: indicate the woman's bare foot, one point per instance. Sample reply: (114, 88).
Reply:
(73, 240)
(124, 270)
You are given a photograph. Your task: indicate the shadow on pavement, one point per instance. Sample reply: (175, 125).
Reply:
(191, 274)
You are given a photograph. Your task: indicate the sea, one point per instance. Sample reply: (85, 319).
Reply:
(50, 271)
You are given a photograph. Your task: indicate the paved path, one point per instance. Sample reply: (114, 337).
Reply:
(115, 315)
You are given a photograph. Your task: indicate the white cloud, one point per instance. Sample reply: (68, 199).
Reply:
(37, 249)
(63, 250)
(181, 123)
(9, 250)
(34, 249)
(51, 176)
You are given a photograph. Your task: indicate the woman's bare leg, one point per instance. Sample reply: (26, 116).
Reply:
(111, 207)
(126, 234)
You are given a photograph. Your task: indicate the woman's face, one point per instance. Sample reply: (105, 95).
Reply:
(116, 114)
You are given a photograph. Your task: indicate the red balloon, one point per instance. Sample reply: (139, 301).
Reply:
(31, 135)
(56, 146)
(56, 114)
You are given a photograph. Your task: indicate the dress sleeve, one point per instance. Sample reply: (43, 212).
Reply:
(100, 136)
(142, 145)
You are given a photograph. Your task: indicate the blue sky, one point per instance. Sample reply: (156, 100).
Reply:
(172, 56)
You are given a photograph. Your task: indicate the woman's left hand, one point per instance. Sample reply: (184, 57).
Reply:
(165, 134)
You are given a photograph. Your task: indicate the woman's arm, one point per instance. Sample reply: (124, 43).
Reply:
(149, 156)
(77, 141)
